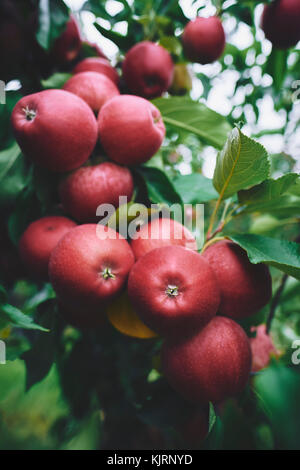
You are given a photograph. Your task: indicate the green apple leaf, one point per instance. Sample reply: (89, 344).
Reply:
(194, 188)
(57, 80)
(160, 188)
(242, 163)
(190, 116)
(269, 195)
(53, 17)
(17, 318)
(282, 254)
(13, 174)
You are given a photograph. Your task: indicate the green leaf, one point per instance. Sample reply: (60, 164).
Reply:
(40, 357)
(13, 174)
(281, 254)
(160, 189)
(277, 67)
(212, 417)
(190, 116)
(268, 195)
(27, 209)
(123, 42)
(17, 318)
(53, 17)
(194, 188)
(242, 163)
(39, 298)
(278, 390)
(57, 80)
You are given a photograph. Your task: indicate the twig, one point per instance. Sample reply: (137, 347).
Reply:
(275, 302)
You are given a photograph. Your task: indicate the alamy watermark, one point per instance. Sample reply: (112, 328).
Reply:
(2, 92)
(296, 354)
(2, 352)
(137, 215)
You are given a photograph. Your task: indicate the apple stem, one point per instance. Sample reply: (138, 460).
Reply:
(107, 274)
(172, 291)
(29, 113)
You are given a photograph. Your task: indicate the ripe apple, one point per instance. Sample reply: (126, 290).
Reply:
(131, 129)
(94, 88)
(204, 40)
(89, 267)
(245, 287)
(262, 348)
(212, 365)
(38, 242)
(55, 128)
(88, 187)
(67, 46)
(162, 232)
(100, 65)
(174, 290)
(148, 69)
(281, 23)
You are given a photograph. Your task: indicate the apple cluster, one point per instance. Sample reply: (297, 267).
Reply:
(192, 300)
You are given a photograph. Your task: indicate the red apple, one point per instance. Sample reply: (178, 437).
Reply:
(38, 242)
(245, 287)
(100, 65)
(162, 232)
(67, 46)
(281, 23)
(55, 128)
(88, 187)
(212, 365)
(94, 88)
(204, 40)
(131, 129)
(89, 267)
(148, 69)
(262, 348)
(173, 290)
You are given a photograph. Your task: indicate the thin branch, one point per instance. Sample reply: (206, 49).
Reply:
(275, 302)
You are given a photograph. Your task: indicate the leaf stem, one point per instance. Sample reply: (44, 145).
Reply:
(211, 242)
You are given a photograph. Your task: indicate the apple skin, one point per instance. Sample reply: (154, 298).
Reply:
(164, 232)
(99, 65)
(148, 69)
(262, 348)
(245, 287)
(281, 23)
(62, 132)
(89, 267)
(68, 45)
(38, 242)
(131, 129)
(204, 40)
(94, 88)
(195, 299)
(88, 187)
(210, 366)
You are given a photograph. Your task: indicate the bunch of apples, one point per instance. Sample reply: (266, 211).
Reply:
(192, 300)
